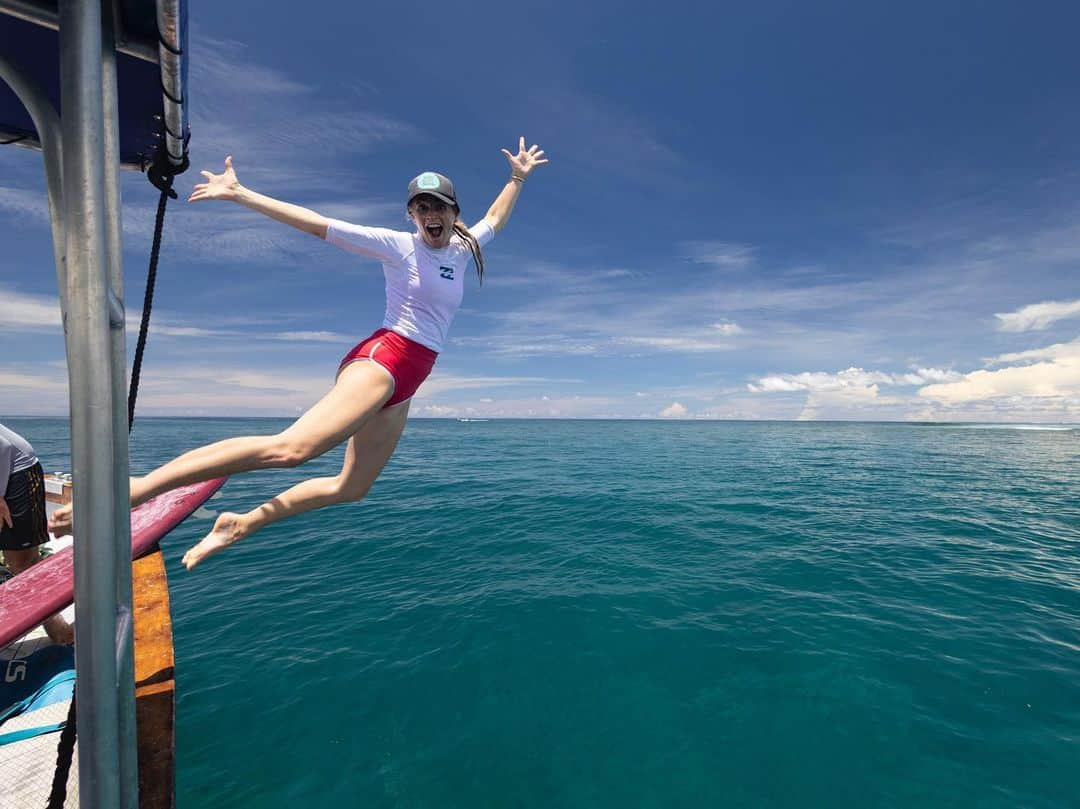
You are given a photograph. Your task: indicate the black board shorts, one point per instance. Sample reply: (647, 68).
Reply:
(25, 498)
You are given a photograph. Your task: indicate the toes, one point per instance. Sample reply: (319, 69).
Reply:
(225, 533)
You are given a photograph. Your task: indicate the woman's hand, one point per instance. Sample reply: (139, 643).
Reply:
(521, 165)
(525, 160)
(219, 186)
(226, 186)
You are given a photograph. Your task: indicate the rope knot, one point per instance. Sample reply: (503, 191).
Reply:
(161, 172)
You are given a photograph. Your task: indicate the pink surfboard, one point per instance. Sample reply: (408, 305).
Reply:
(49, 586)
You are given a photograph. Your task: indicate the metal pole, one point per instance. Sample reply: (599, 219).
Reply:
(125, 654)
(47, 123)
(92, 445)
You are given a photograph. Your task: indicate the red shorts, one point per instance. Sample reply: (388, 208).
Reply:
(408, 362)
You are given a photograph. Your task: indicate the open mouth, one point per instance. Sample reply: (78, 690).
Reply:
(434, 231)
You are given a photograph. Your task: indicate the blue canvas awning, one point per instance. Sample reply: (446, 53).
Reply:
(151, 74)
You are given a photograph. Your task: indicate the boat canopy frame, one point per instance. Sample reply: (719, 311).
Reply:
(83, 147)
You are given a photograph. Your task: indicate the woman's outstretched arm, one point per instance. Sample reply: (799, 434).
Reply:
(225, 186)
(521, 165)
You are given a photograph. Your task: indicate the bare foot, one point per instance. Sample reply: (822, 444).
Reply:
(59, 630)
(228, 528)
(60, 521)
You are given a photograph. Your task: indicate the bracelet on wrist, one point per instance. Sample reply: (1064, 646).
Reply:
(517, 178)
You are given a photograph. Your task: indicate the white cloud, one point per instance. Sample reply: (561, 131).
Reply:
(440, 383)
(728, 329)
(165, 330)
(162, 325)
(30, 390)
(281, 132)
(219, 61)
(436, 411)
(236, 390)
(24, 204)
(1055, 376)
(1052, 352)
(510, 344)
(26, 312)
(691, 345)
(522, 407)
(205, 232)
(853, 402)
(725, 255)
(921, 376)
(854, 393)
(674, 411)
(362, 211)
(314, 337)
(805, 316)
(846, 380)
(1037, 315)
(598, 311)
(243, 102)
(51, 381)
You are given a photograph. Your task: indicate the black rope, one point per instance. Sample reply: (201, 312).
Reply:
(148, 303)
(161, 173)
(161, 170)
(64, 751)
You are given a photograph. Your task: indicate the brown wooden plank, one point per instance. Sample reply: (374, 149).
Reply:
(154, 682)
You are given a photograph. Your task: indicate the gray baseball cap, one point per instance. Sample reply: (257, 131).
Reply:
(435, 184)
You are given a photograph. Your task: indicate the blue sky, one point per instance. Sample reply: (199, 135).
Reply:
(825, 210)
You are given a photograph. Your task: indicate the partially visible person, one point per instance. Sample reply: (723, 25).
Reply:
(22, 516)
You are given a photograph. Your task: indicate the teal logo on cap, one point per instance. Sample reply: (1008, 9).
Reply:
(428, 180)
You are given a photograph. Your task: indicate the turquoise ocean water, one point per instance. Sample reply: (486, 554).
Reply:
(638, 614)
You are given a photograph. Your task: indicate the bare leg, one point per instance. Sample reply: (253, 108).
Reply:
(361, 389)
(367, 454)
(58, 630)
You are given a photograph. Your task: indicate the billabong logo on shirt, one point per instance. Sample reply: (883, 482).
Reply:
(447, 273)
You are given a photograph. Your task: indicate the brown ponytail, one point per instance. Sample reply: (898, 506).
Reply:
(474, 247)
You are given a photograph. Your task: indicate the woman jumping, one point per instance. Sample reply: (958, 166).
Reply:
(369, 402)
